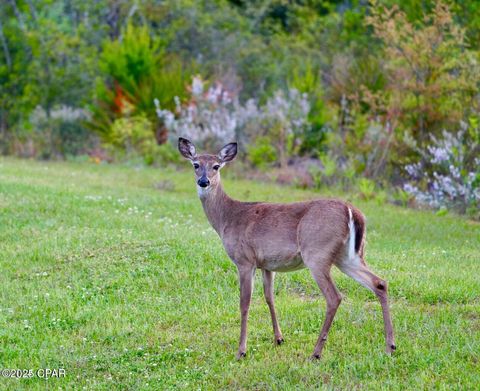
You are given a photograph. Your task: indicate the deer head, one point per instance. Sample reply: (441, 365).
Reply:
(207, 167)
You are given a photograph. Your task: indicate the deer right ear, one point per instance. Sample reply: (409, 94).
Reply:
(186, 148)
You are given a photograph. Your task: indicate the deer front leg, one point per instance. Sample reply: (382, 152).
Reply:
(268, 277)
(246, 275)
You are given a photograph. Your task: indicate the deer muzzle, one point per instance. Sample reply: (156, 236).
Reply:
(203, 182)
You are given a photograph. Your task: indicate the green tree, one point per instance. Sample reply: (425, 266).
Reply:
(136, 70)
(47, 62)
(432, 74)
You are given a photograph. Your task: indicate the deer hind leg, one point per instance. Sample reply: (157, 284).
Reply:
(268, 277)
(321, 273)
(359, 271)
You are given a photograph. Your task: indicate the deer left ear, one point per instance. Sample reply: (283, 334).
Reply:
(228, 153)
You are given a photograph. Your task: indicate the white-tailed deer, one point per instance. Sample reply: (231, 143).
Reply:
(284, 237)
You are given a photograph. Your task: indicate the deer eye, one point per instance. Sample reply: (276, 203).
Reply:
(195, 165)
(216, 167)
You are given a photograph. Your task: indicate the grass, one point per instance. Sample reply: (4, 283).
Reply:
(114, 274)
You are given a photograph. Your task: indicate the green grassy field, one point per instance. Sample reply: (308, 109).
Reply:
(114, 274)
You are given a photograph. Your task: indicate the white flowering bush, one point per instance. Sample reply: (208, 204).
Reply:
(448, 174)
(284, 119)
(62, 113)
(209, 115)
(213, 116)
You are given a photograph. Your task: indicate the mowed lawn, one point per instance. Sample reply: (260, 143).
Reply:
(113, 273)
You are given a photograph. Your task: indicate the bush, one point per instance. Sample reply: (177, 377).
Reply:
(167, 154)
(136, 70)
(58, 134)
(448, 175)
(262, 153)
(211, 116)
(367, 188)
(132, 137)
(326, 174)
(308, 81)
(215, 115)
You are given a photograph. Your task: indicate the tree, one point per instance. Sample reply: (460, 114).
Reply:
(135, 71)
(432, 74)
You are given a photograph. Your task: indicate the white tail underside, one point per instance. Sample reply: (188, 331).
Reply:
(351, 241)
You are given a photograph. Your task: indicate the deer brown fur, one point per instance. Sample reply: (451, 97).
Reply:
(285, 237)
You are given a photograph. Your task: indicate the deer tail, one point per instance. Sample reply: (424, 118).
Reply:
(356, 227)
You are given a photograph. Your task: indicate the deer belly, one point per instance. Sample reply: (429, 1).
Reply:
(283, 265)
(278, 252)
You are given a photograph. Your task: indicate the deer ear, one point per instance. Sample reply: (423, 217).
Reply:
(186, 148)
(228, 152)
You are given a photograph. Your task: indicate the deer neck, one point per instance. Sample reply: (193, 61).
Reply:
(216, 203)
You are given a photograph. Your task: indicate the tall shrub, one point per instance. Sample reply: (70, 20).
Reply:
(136, 70)
(433, 75)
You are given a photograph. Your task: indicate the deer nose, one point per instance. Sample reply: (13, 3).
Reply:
(203, 182)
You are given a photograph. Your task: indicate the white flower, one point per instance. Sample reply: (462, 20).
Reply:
(451, 184)
(197, 85)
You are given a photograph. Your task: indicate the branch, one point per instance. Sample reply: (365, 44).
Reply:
(17, 13)
(8, 59)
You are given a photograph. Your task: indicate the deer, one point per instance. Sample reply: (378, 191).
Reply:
(284, 237)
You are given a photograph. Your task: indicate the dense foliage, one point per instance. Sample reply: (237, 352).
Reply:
(350, 93)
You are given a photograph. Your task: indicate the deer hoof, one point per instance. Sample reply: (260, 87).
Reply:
(391, 348)
(315, 357)
(241, 355)
(279, 341)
